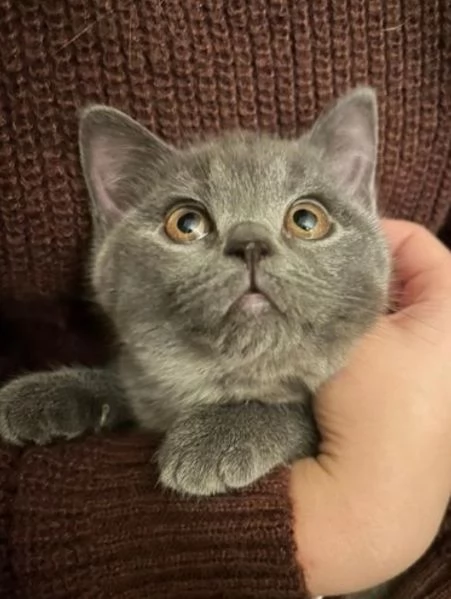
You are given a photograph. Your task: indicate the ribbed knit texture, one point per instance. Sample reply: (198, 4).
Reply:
(86, 519)
(185, 67)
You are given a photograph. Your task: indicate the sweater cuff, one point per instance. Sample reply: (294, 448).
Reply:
(88, 518)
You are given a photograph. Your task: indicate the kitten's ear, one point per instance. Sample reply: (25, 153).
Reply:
(120, 158)
(346, 136)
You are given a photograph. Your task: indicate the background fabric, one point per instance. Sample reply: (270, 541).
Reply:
(86, 519)
(189, 67)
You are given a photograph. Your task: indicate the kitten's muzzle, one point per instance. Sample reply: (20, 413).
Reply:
(250, 242)
(251, 253)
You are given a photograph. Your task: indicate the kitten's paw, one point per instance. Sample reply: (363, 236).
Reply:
(41, 407)
(209, 464)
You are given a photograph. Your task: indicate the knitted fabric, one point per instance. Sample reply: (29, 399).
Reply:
(87, 519)
(184, 67)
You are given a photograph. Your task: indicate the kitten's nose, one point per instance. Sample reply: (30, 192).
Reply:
(250, 252)
(249, 242)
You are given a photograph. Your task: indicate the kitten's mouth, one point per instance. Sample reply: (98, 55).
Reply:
(253, 301)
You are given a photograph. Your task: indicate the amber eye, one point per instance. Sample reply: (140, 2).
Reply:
(308, 220)
(185, 224)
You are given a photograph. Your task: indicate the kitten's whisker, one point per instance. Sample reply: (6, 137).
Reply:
(325, 289)
(187, 290)
(344, 299)
(317, 282)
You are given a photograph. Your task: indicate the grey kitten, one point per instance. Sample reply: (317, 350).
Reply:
(238, 274)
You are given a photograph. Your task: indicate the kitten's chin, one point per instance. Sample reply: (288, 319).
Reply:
(253, 326)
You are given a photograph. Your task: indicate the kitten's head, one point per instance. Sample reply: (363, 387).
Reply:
(241, 246)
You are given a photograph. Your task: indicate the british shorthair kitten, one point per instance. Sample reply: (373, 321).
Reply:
(238, 273)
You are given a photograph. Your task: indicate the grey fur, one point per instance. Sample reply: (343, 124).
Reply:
(42, 406)
(232, 445)
(230, 388)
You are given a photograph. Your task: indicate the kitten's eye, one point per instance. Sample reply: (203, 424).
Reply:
(308, 220)
(185, 224)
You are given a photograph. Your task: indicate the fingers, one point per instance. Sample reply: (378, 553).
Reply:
(421, 263)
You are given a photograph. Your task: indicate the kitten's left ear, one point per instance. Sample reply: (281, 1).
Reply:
(346, 136)
(121, 160)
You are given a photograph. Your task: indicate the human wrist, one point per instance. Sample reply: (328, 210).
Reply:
(348, 537)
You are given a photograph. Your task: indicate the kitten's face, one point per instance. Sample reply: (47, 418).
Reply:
(239, 246)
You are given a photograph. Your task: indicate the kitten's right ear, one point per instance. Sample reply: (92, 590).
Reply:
(120, 159)
(346, 138)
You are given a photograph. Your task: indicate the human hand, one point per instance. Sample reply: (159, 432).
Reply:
(372, 501)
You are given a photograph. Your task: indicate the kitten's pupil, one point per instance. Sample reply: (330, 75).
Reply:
(305, 219)
(189, 222)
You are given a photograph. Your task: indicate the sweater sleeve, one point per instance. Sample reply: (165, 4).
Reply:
(430, 577)
(88, 519)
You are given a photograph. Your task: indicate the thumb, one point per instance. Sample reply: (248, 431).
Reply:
(422, 272)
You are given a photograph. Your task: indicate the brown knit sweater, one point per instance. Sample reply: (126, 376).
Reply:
(87, 519)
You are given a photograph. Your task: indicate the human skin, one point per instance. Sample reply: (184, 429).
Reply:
(369, 505)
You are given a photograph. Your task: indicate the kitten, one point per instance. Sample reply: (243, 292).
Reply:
(238, 274)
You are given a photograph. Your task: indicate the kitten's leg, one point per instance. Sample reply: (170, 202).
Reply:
(217, 448)
(65, 403)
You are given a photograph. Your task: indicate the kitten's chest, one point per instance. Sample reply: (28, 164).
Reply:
(162, 388)
(268, 380)
(266, 385)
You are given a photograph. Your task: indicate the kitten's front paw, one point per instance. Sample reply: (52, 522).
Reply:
(208, 468)
(41, 407)
(199, 458)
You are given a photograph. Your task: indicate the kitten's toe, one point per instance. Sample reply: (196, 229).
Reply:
(193, 467)
(203, 473)
(242, 467)
(185, 471)
(186, 481)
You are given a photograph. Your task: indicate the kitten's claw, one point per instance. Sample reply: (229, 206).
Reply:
(104, 415)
